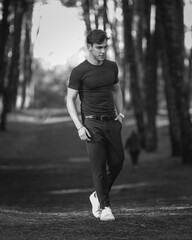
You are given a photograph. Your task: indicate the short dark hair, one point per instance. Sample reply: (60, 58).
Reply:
(96, 36)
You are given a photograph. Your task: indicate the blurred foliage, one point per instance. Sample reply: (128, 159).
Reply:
(50, 85)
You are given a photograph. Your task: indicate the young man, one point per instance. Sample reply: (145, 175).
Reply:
(96, 81)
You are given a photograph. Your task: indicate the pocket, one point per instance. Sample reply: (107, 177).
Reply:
(119, 123)
(92, 126)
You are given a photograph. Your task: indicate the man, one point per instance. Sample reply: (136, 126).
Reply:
(133, 147)
(96, 81)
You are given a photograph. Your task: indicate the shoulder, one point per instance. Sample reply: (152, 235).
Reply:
(111, 64)
(79, 68)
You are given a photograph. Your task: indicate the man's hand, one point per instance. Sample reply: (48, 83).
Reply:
(120, 118)
(84, 134)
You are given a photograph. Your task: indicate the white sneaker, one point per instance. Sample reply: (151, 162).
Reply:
(107, 215)
(96, 210)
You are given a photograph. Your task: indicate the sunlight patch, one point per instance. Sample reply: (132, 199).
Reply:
(157, 211)
(31, 167)
(37, 217)
(114, 188)
(78, 159)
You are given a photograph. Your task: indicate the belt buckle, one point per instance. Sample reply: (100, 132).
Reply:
(90, 116)
(104, 118)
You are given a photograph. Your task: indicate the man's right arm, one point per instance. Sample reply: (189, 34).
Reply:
(72, 109)
(71, 106)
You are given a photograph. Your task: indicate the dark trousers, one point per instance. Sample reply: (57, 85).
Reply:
(106, 154)
(134, 156)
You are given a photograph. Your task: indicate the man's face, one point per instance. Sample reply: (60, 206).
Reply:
(98, 51)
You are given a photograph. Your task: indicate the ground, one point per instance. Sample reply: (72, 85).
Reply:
(45, 183)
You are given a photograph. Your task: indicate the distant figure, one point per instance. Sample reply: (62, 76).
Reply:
(133, 147)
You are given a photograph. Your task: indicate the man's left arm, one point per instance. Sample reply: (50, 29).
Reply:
(118, 101)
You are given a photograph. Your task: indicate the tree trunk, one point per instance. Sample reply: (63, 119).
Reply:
(132, 65)
(86, 14)
(105, 18)
(27, 54)
(150, 84)
(174, 127)
(4, 36)
(171, 13)
(10, 92)
(190, 68)
(15, 64)
(138, 25)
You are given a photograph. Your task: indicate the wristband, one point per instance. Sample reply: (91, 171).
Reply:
(122, 115)
(79, 128)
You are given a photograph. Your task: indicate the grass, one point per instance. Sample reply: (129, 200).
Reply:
(40, 160)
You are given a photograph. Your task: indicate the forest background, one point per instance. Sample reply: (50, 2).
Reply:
(150, 41)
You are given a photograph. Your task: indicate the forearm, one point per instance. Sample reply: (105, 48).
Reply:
(118, 101)
(72, 109)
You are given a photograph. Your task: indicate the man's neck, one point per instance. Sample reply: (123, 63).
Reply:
(93, 61)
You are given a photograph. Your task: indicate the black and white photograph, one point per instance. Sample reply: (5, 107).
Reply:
(95, 119)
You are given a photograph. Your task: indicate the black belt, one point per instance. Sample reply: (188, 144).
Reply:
(103, 118)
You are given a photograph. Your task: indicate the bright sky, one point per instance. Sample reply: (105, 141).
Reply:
(188, 23)
(61, 32)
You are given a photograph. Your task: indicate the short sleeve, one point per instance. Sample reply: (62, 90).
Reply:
(74, 80)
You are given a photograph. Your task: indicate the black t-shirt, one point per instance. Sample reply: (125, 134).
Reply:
(95, 85)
